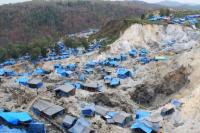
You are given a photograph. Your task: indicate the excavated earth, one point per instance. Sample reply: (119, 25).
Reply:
(152, 86)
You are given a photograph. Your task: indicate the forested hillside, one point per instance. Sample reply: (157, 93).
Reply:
(25, 22)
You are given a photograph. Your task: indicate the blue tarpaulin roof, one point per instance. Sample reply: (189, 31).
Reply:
(115, 81)
(133, 53)
(139, 124)
(123, 73)
(39, 71)
(6, 129)
(15, 117)
(22, 80)
(143, 52)
(79, 126)
(71, 67)
(88, 110)
(144, 60)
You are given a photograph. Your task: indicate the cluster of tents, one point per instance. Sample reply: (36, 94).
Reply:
(191, 19)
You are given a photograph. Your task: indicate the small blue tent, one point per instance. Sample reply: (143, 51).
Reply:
(123, 73)
(144, 60)
(39, 71)
(143, 52)
(90, 64)
(63, 72)
(80, 125)
(139, 124)
(88, 110)
(71, 67)
(82, 77)
(57, 66)
(22, 80)
(133, 53)
(115, 82)
(36, 127)
(107, 79)
(7, 129)
(15, 118)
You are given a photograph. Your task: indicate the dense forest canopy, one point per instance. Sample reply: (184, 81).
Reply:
(24, 22)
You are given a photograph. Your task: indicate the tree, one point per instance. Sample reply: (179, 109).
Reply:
(142, 16)
(35, 52)
(2, 54)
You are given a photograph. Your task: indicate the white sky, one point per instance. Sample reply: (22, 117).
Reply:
(181, 1)
(150, 1)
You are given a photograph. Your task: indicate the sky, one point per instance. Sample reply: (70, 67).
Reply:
(150, 1)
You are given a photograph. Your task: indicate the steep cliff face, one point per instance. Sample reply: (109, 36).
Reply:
(153, 37)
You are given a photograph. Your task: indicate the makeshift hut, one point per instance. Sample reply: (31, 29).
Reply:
(35, 83)
(123, 73)
(44, 108)
(65, 90)
(93, 86)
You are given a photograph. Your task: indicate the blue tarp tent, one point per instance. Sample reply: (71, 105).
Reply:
(57, 66)
(107, 79)
(139, 124)
(71, 67)
(15, 118)
(22, 80)
(142, 113)
(142, 126)
(123, 73)
(63, 72)
(82, 77)
(144, 60)
(90, 64)
(88, 110)
(115, 82)
(39, 71)
(80, 125)
(9, 73)
(133, 53)
(111, 63)
(6, 129)
(123, 57)
(2, 71)
(77, 85)
(143, 52)
(88, 70)
(36, 127)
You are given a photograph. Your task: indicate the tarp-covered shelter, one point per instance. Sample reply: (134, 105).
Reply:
(123, 73)
(42, 107)
(143, 52)
(81, 126)
(88, 110)
(71, 67)
(39, 71)
(119, 118)
(35, 83)
(93, 86)
(144, 123)
(23, 80)
(15, 118)
(144, 60)
(69, 121)
(65, 90)
(133, 53)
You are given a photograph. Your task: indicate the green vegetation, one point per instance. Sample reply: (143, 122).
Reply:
(36, 48)
(24, 22)
(183, 13)
(164, 12)
(75, 42)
